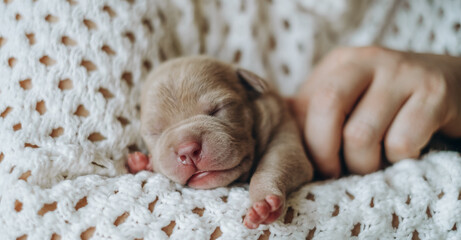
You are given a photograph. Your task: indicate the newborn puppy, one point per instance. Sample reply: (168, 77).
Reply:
(207, 124)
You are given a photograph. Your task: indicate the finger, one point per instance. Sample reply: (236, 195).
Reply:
(334, 94)
(364, 130)
(413, 127)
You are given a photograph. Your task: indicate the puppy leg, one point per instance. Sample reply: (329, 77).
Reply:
(282, 168)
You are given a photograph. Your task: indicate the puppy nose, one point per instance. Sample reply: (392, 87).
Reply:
(189, 153)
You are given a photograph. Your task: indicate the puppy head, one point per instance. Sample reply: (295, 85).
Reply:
(197, 121)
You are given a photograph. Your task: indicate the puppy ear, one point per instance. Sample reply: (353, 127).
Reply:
(252, 81)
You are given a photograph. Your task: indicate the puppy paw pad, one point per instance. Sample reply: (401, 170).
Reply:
(137, 162)
(264, 212)
(274, 201)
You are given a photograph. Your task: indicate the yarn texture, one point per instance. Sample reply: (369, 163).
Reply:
(70, 77)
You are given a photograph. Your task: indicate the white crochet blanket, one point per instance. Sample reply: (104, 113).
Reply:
(409, 200)
(70, 75)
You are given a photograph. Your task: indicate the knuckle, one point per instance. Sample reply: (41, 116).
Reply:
(342, 55)
(341, 51)
(435, 86)
(399, 147)
(390, 60)
(372, 50)
(376, 52)
(359, 134)
(403, 67)
(345, 55)
(327, 98)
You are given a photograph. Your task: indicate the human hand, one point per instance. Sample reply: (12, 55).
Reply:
(364, 99)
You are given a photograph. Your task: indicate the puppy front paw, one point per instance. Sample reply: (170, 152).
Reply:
(264, 212)
(137, 162)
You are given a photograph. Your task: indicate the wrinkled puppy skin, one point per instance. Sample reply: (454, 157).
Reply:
(207, 124)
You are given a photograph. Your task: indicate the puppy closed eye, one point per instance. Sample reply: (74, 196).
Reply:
(216, 110)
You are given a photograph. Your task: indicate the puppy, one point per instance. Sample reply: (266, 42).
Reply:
(207, 124)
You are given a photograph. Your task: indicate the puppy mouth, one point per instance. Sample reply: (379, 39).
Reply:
(201, 179)
(198, 177)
